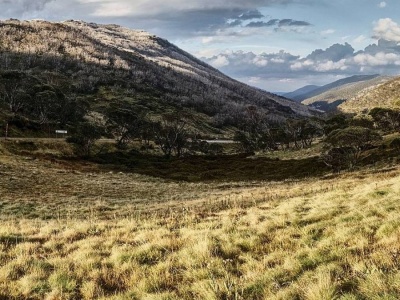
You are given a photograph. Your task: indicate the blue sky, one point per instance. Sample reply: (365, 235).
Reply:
(271, 44)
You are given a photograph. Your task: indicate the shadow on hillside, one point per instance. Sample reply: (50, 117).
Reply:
(326, 106)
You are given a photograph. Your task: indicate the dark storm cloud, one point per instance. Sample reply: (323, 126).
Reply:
(270, 23)
(16, 8)
(234, 23)
(334, 53)
(251, 14)
(279, 23)
(190, 23)
(179, 19)
(291, 22)
(383, 46)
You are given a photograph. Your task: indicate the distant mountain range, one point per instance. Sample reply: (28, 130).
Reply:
(299, 94)
(331, 96)
(108, 64)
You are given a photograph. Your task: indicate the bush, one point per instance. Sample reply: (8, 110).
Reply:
(339, 158)
(346, 146)
(395, 144)
(84, 136)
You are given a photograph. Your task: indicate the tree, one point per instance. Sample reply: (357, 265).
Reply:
(309, 131)
(336, 122)
(14, 90)
(171, 134)
(84, 136)
(255, 133)
(362, 121)
(385, 118)
(351, 141)
(302, 132)
(49, 104)
(126, 123)
(45, 106)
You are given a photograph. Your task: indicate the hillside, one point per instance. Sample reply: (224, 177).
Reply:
(384, 95)
(297, 95)
(80, 63)
(335, 96)
(313, 92)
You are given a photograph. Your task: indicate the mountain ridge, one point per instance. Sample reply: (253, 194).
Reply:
(333, 98)
(322, 89)
(296, 95)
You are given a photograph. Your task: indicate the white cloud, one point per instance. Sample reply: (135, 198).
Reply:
(286, 80)
(220, 61)
(337, 60)
(328, 32)
(207, 52)
(114, 9)
(320, 66)
(383, 4)
(254, 80)
(260, 62)
(360, 39)
(387, 29)
(278, 60)
(330, 65)
(379, 59)
(301, 65)
(207, 39)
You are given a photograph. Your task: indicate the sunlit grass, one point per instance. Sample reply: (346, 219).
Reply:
(312, 239)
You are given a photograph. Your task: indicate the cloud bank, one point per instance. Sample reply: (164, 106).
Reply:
(337, 60)
(173, 18)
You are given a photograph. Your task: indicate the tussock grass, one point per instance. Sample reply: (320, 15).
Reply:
(311, 239)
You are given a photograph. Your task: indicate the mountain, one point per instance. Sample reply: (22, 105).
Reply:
(105, 65)
(320, 90)
(334, 97)
(297, 95)
(385, 94)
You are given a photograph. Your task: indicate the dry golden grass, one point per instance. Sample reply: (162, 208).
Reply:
(124, 236)
(383, 95)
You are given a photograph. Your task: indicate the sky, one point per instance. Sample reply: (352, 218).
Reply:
(276, 45)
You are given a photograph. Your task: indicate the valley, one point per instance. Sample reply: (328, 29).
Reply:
(175, 181)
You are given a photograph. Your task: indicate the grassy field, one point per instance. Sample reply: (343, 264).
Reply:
(76, 231)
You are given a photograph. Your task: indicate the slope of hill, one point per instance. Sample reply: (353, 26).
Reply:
(297, 95)
(338, 83)
(334, 97)
(108, 64)
(386, 95)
